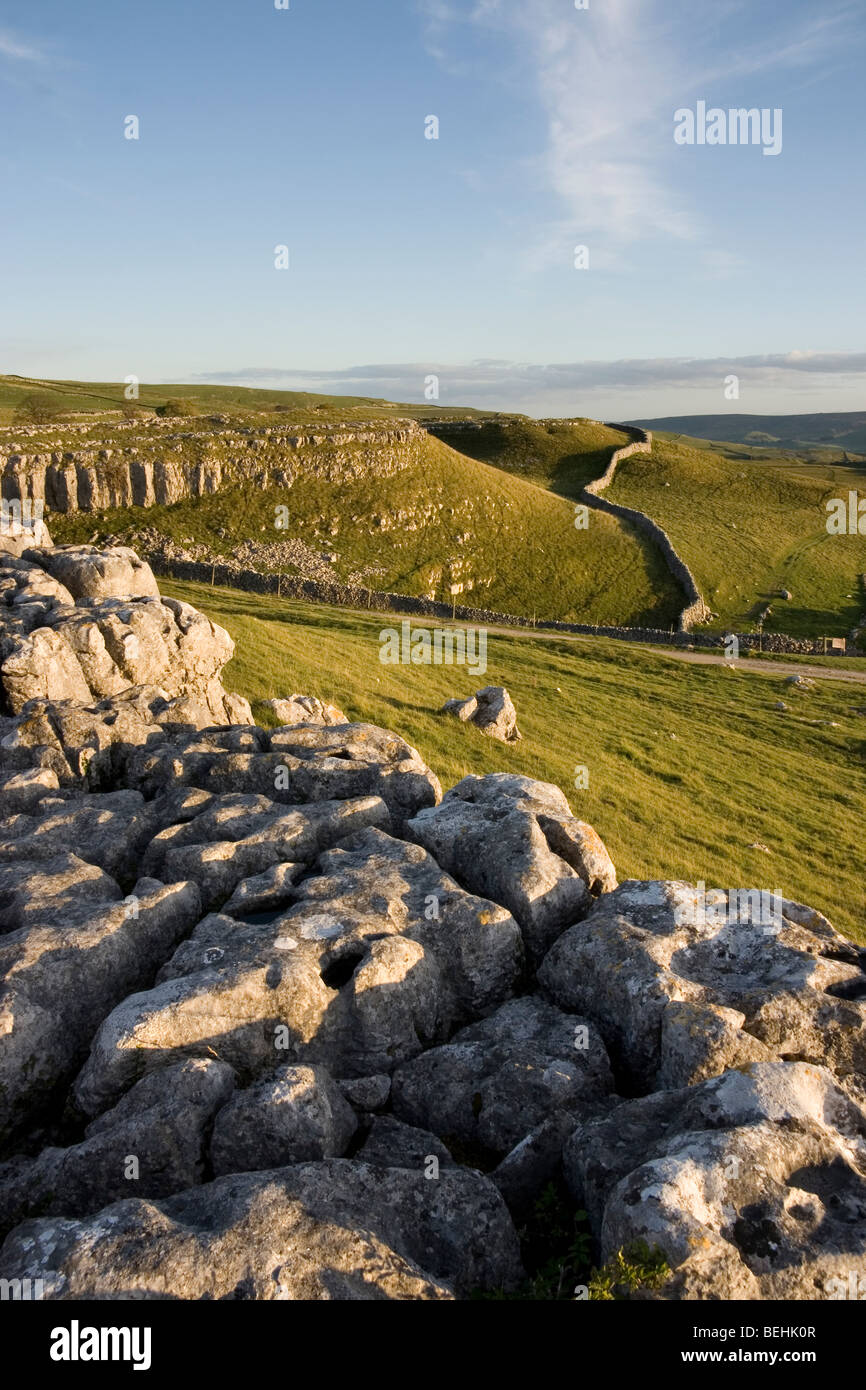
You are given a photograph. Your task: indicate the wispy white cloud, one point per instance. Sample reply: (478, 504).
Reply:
(608, 80)
(560, 387)
(14, 48)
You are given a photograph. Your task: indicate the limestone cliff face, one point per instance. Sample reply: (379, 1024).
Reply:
(158, 465)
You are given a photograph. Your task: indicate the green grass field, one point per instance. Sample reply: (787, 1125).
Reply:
(688, 765)
(748, 529)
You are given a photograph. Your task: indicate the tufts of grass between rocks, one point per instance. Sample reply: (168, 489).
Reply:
(557, 1252)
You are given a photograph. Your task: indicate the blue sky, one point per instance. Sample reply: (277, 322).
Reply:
(454, 257)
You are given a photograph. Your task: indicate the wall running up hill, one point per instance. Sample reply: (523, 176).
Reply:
(696, 610)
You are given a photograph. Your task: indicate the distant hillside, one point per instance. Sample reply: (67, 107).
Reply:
(844, 430)
(80, 397)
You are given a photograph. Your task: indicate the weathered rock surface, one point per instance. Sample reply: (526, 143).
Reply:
(461, 709)
(88, 744)
(366, 1092)
(393, 1144)
(336, 1229)
(82, 624)
(153, 1143)
(496, 715)
(88, 573)
(493, 834)
(500, 1078)
(238, 837)
(293, 766)
(305, 709)
(43, 666)
(753, 1184)
(18, 534)
(379, 955)
(72, 949)
(298, 1114)
(680, 989)
(21, 792)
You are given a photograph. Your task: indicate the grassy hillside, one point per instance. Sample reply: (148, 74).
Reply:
(557, 454)
(748, 521)
(688, 765)
(748, 529)
(749, 518)
(772, 453)
(512, 545)
(101, 396)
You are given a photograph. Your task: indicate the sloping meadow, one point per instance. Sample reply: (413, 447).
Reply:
(692, 771)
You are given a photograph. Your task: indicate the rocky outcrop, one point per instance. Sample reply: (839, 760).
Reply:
(492, 834)
(156, 1138)
(19, 532)
(79, 624)
(304, 709)
(278, 1020)
(753, 1184)
(351, 974)
(299, 1113)
(682, 988)
(330, 1230)
(159, 463)
(72, 945)
(498, 1080)
(302, 763)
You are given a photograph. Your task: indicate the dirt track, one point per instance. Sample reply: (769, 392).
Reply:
(706, 658)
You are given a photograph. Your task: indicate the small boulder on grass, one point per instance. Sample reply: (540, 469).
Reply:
(491, 710)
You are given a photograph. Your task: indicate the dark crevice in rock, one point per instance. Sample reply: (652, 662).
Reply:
(848, 989)
(340, 968)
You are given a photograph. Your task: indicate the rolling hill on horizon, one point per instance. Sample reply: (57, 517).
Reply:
(844, 430)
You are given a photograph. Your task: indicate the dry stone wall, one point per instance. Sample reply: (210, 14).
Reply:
(695, 610)
(379, 601)
(642, 443)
